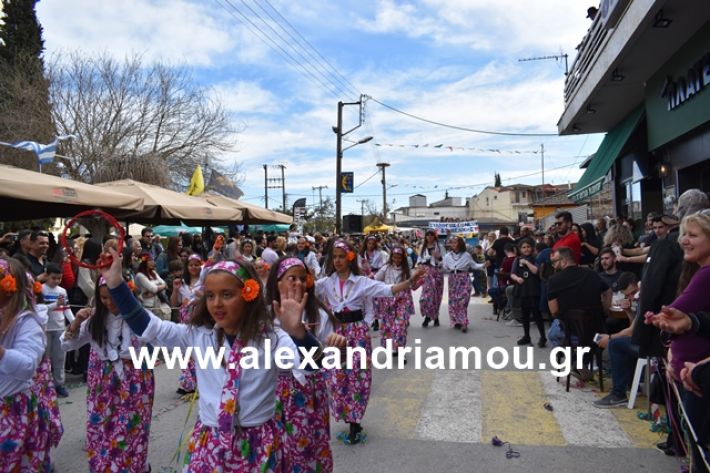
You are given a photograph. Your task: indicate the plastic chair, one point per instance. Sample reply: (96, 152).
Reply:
(641, 363)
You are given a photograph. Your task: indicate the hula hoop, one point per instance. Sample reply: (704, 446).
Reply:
(104, 260)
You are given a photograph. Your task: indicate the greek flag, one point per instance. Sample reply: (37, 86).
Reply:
(45, 153)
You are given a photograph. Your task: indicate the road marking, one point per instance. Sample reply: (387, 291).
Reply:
(512, 403)
(452, 411)
(581, 423)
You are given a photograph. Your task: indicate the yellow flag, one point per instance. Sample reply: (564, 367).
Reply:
(197, 182)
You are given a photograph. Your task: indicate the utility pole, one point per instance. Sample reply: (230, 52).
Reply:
(266, 186)
(275, 183)
(542, 162)
(283, 185)
(382, 167)
(362, 206)
(320, 198)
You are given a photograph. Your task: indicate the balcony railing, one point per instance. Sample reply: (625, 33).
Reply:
(588, 51)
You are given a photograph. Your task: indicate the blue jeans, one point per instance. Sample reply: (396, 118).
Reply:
(623, 355)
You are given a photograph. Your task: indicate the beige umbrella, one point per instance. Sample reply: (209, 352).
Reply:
(163, 205)
(26, 194)
(251, 214)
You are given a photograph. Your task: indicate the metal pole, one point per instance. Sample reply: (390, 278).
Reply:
(542, 158)
(283, 186)
(338, 166)
(266, 187)
(384, 192)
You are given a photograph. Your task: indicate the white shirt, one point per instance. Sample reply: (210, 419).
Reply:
(460, 262)
(147, 287)
(24, 346)
(118, 338)
(312, 263)
(356, 290)
(56, 317)
(374, 261)
(257, 386)
(390, 274)
(428, 257)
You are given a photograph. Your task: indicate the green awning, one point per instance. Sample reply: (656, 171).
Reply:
(592, 180)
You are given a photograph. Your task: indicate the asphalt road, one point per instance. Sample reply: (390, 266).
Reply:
(436, 420)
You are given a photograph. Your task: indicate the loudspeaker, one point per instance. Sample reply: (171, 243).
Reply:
(352, 223)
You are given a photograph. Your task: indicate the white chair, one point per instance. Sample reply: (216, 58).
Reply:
(641, 363)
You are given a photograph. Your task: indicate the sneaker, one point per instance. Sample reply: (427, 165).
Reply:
(436, 322)
(376, 325)
(542, 343)
(513, 323)
(464, 329)
(457, 326)
(611, 400)
(524, 341)
(426, 322)
(62, 391)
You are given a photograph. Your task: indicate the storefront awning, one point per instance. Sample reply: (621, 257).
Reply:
(593, 178)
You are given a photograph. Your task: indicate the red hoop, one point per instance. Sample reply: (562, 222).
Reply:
(104, 260)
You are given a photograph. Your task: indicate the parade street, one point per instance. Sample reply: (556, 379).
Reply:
(440, 420)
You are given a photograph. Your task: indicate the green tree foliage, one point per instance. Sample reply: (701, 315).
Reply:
(24, 97)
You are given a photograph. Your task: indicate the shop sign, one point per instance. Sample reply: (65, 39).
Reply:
(679, 90)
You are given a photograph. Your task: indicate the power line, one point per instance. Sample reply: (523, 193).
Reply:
(246, 21)
(363, 182)
(320, 59)
(456, 127)
(288, 43)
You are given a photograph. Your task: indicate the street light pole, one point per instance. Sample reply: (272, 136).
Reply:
(338, 167)
(382, 167)
(339, 134)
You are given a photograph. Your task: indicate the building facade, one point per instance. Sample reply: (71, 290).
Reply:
(642, 75)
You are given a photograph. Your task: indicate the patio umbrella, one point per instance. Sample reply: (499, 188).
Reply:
(165, 206)
(26, 194)
(251, 214)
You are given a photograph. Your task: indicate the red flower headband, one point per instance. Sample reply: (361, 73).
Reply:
(251, 288)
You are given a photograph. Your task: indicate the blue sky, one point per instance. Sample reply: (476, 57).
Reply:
(451, 61)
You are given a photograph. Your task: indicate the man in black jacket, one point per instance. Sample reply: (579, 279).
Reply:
(659, 283)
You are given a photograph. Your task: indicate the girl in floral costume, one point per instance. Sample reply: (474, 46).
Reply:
(458, 263)
(303, 403)
(120, 397)
(431, 256)
(236, 430)
(186, 292)
(22, 345)
(394, 312)
(345, 292)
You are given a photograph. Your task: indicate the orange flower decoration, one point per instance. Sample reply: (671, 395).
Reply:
(310, 281)
(131, 285)
(267, 267)
(8, 283)
(250, 291)
(37, 287)
(350, 256)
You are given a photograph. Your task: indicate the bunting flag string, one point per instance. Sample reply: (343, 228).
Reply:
(458, 148)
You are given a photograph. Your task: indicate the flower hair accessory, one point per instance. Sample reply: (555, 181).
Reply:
(251, 288)
(146, 257)
(194, 257)
(37, 287)
(7, 282)
(397, 250)
(350, 256)
(349, 253)
(286, 264)
(310, 282)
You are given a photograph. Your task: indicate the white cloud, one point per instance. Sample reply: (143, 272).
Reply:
(245, 97)
(174, 31)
